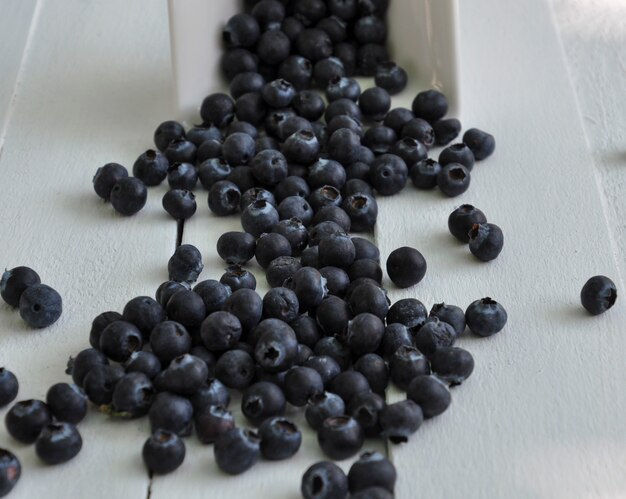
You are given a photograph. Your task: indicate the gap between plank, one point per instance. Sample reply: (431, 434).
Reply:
(19, 76)
(180, 228)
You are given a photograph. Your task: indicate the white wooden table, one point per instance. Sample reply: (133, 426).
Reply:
(83, 83)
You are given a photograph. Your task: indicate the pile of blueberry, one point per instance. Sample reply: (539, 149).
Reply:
(303, 172)
(39, 305)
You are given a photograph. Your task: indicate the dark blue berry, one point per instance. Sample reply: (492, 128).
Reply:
(217, 109)
(128, 196)
(185, 264)
(132, 395)
(238, 148)
(297, 70)
(211, 421)
(277, 346)
(332, 213)
(362, 209)
(424, 173)
(419, 130)
(410, 150)
(172, 413)
(246, 82)
(144, 312)
(262, 400)
(100, 382)
(333, 315)
(309, 286)
(375, 370)
(251, 108)
(79, 366)
(326, 70)
(406, 363)
(368, 297)
(321, 406)
(58, 443)
(340, 437)
(212, 170)
(163, 452)
(199, 134)
(452, 364)
(370, 29)
(326, 366)
(365, 408)
(453, 179)
(10, 471)
(348, 384)
(237, 450)
(280, 438)
(406, 266)
(14, 282)
(220, 331)
(9, 387)
(281, 303)
(185, 374)
(365, 268)
(485, 317)
(396, 335)
(481, 143)
(388, 174)
(236, 247)
(391, 77)
(281, 269)
(343, 107)
(236, 277)
(151, 168)
(446, 130)
(247, 306)
(259, 217)
(430, 393)
(457, 153)
(241, 30)
(453, 315)
(301, 383)
(398, 421)
(433, 335)
(324, 480)
(486, 241)
(40, 306)
(145, 362)
(369, 57)
(25, 420)
(364, 333)
(168, 340)
(314, 44)
(598, 295)
(224, 198)
(397, 118)
(213, 293)
(337, 280)
(67, 402)
(430, 105)
(374, 103)
(462, 219)
(331, 347)
(180, 204)
(322, 230)
(372, 469)
(235, 369)
(166, 132)
(213, 392)
(182, 176)
(106, 177)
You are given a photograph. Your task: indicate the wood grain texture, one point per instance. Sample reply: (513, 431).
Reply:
(540, 416)
(93, 87)
(17, 20)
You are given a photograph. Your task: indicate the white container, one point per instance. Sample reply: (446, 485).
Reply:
(423, 39)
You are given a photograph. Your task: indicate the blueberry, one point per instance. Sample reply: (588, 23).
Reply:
(446, 130)
(9, 387)
(364, 333)
(280, 438)
(297, 70)
(486, 241)
(246, 82)
(462, 219)
(391, 77)
(309, 105)
(397, 118)
(14, 282)
(236, 277)
(301, 383)
(337, 280)
(185, 264)
(406, 266)
(324, 480)
(326, 366)
(262, 400)
(332, 213)
(340, 437)
(212, 170)
(58, 443)
(247, 306)
(277, 346)
(163, 294)
(314, 44)
(362, 209)
(132, 395)
(430, 105)
(278, 93)
(251, 108)
(144, 312)
(220, 331)
(430, 393)
(396, 335)
(213, 293)
(341, 87)
(151, 168)
(346, 10)
(241, 30)
(292, 27)
(185, 374)
(10, 471)
(367, 297)
(453, 179)
(25, 420)
(217, 109)
(333, 315)
(281, 269)
(67, 402)
(233, 62)
(481, 143)
(294, 231)
(304, 354)
(271, 246)
(186, 307)
(410, 150)
(259, 217)
(486, 317)
(365, 268)
(144, 362)
(343, 107)
(212, 421)
(348, 384)
(309, 286)
(290, 187)
(100, 382)
(405, 364)
(236, 247)
(256, 194)
(433, 335)
(235, 369)
(419, 130)
(336, 250)
(180, 204)
(369, 57)
(457, 153)
(168, 340)
(388, 174)
(400, 420)
(201, 352)
(375, 370)
(224, 198)
(281, 303)
(106, 177)
(309, 258)
(238, 148)
(40, 306)
(597, 295)
(380, 139)
(453, 315)
(365, 408)
(322, 406)
(237, 450)
(375, 103)
(213, 392)
(345, 121)
(306, 329)
(332, 347)
(326, 70)
(163, 452)
(452, 364)
(171, 413)
(79, 366)
(372, 469)
(199, 134)
(182, 176)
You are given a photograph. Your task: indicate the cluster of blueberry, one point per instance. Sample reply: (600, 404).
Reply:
(39, 305)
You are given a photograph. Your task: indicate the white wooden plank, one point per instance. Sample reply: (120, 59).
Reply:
(593, 35)
(15, 26)
(541, 416)
(94, 85)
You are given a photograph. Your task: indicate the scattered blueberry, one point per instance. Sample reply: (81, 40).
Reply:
(340, 437)
(486, 241)
(406, 266)
(485, 317)
(163, 452)
(237, 450)
(462, 219)
(14, 282)
(324, 480)
(280, 438)
(598, 294)
(105, 178)
(40, 306)
(26, 419)
(58, 442)
(430, 393)
(10, 471)
(128, 195)
(67, 402)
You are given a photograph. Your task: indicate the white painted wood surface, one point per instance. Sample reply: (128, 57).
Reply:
(543, 415)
